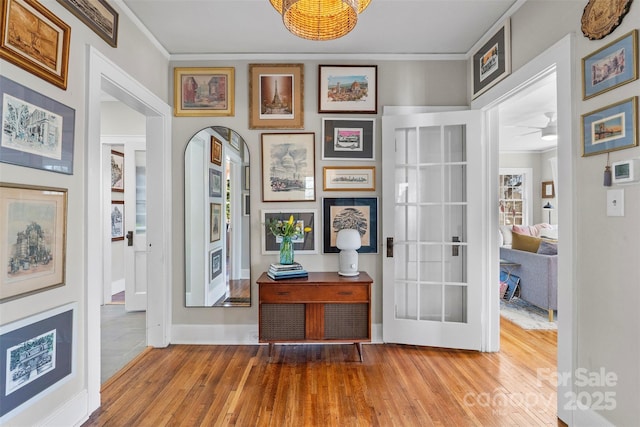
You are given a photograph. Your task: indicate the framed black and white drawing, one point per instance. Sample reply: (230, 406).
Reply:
(117, 220)
(36, 356)
(97, 15)
(348, 139)
(360, 213)
(47, 145)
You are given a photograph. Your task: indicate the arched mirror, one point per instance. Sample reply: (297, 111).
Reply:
(216, 218)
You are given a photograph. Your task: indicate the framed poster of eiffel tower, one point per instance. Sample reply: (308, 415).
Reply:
(276, 96)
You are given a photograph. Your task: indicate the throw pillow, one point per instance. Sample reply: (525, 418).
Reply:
(506, 232)
(522, 229)
(526, 243)
(548, 248)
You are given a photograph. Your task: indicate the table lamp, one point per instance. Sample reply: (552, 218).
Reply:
(348, 241)
(548, 207)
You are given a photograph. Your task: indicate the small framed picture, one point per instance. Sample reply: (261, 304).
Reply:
(216, 151)
(288, 167)
(246, 204)
(34, 236)
(117, 171)
(215, 221)
(360, 213)
(348, 89)
(305, 244)
(548, 191)
(97, 15)
(215, 264)
(610, 66)
(203, 91)
(247, 176)
(276, 97)
(610, 128)
(215, 183)
(492, 62)
(349, 178)
(348, 139)
(117, 220)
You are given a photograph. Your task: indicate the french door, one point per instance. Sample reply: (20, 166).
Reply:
(432, 221)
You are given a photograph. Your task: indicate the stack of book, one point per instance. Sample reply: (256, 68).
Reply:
(286, 271)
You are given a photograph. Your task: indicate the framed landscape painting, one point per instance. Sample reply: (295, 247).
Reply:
(492, 62)
(97, 15)
(288, 167)
(203, 91)
(276, 97)
(33, 239)
(26, 20)
(51, 146)
(348, 89)
(610, 128)
(360, 213)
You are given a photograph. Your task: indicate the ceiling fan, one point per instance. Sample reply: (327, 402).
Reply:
(548, 132)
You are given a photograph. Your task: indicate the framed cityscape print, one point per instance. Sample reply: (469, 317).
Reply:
(201, 92)
(117, 171)
(611, 66)
(288, 167)
(36, 356)
(33, 239)
(215, 183)
(610, 128)
(51, 146)
(29, 20)
(215, 221)
(349, 178)
(348, 139)
(276, 97)
(305, 244)
(492, 62)
(348, 89)
(97, 15)
(117, 220)
(360, 213)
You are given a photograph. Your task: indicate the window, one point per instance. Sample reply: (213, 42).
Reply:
(514, 194)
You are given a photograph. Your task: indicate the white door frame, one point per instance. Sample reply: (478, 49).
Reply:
(105, 76)
(558, 57)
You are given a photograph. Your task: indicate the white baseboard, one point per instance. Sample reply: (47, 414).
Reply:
(589, 418)
(72, 413)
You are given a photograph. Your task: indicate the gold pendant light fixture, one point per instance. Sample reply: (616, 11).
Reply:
(320, 19)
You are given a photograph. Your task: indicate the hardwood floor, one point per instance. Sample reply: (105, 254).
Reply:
(325, 385)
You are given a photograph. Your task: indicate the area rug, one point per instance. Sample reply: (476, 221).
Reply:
(526, 315)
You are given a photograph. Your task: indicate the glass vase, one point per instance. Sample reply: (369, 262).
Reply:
(286, 250)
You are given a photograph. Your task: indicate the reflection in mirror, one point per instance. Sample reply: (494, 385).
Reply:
(217, 252)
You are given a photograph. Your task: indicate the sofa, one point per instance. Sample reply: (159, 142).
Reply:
(538, 269)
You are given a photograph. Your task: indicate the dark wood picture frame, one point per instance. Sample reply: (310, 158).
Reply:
(216, 151)
(117, 171)
(97, 15)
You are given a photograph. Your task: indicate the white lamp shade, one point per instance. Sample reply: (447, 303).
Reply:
(348, 239)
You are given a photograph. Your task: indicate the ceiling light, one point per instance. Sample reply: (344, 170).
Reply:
(549, 133)
(320, 19)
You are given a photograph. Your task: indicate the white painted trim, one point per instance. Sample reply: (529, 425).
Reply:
(140, 26)
(558, 58)
(528, 190)
(378, 57)
(72, 413)
(103, 75)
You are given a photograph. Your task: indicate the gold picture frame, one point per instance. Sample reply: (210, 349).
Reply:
(349, 178)
(203, 92)
(276, 97)
(216, 151)
(21, 19)
(30, 210)
(548, 190)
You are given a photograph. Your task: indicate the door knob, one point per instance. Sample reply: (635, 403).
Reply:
(129, 238)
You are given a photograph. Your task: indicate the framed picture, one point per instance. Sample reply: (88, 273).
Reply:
(36, 356)
(611, 66)
(247, 175)
(492, 62)
(97, 15)
(215, 264)
(51, 148)
(548, 190)
(349, 178)
(288, 167)
(215, 221)
(200, 92)
(216, 151)
(348, 139)
(304, 218)
(33, 242)
(24, 20)
(246, 204)
(610, 128)
(117, 220)
(348, 89)
(276, 96)
(215, 183)
(234, 140)
(360, 213)
(117, 171)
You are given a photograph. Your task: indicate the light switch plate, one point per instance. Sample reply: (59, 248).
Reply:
(615, 202)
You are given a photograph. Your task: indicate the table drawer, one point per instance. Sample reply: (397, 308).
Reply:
(314, 293)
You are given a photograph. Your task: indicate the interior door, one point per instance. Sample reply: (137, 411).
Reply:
(432, 221)
(135, 219)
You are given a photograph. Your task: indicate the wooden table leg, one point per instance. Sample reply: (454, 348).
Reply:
(359, 348)
(270, 351)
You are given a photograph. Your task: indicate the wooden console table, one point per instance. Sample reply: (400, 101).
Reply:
(321, 308)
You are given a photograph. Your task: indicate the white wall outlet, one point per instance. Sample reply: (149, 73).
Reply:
(615, 202)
